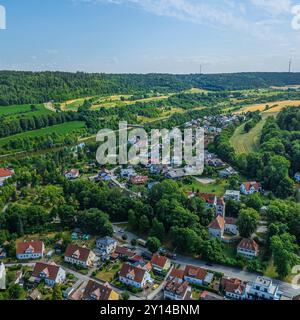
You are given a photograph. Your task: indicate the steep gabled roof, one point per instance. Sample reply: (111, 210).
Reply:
(136, 272)
(94, 290)
(218, 223)
(50, 270)
(81, 252)
(159, 260)
(248, 244)
(36, 246)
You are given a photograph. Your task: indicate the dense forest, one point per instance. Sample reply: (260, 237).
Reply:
(37, 87)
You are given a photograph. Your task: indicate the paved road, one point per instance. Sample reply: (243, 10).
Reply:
(285, 287)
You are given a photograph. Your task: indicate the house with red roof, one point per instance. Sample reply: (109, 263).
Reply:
(216, 227)
(80, 256)
(233, 288)
(30, 250)
(176, 274)
(248, 248)
(4, 175)
(213, 202)
(210, 199)
(195, 275)
(50, 273)
(160, 263)
(136, 277)
(250, 187)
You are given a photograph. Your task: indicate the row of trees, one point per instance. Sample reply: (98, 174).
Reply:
(10, 127)
(39, 87)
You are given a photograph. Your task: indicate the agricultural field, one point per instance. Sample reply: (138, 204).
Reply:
(249, 142)
(24, 110)
(270, 107)
(60, 129)
(107, 102)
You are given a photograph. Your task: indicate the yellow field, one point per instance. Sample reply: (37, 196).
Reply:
(274, 107)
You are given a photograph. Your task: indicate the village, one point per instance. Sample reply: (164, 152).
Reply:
(122, 267)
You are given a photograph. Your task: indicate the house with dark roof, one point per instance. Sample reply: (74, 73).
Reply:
(80, 256)
(160, 263)
(194, 275)
(250, 187)
(96, 291)
(50, 273)
(136, 277)
(177, 290)
(30, 250)
(248, 248)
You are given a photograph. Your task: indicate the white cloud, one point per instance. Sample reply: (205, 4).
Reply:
(275, 7)
(264, 19)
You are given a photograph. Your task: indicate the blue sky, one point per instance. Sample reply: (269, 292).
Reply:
(142, 36)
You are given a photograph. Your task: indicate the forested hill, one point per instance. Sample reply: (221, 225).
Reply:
(36, 87)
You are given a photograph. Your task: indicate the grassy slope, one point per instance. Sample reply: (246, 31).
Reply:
(24, 110)
(249, 142)
(62, 129)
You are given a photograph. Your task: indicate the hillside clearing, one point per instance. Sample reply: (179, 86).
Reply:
(60, 129)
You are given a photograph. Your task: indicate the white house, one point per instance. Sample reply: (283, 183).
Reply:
(30, 250)
(177, 290)
(51, 273)
(2, 277)
(263, 289)
(80, 256)
(216, 227)
(233, 195)
(134, 276)
(248, 248)
(72, 174)
(220, 207)
(250, 187)
(4, 175)
(230, 226)
(233, 288)
(106, 245)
